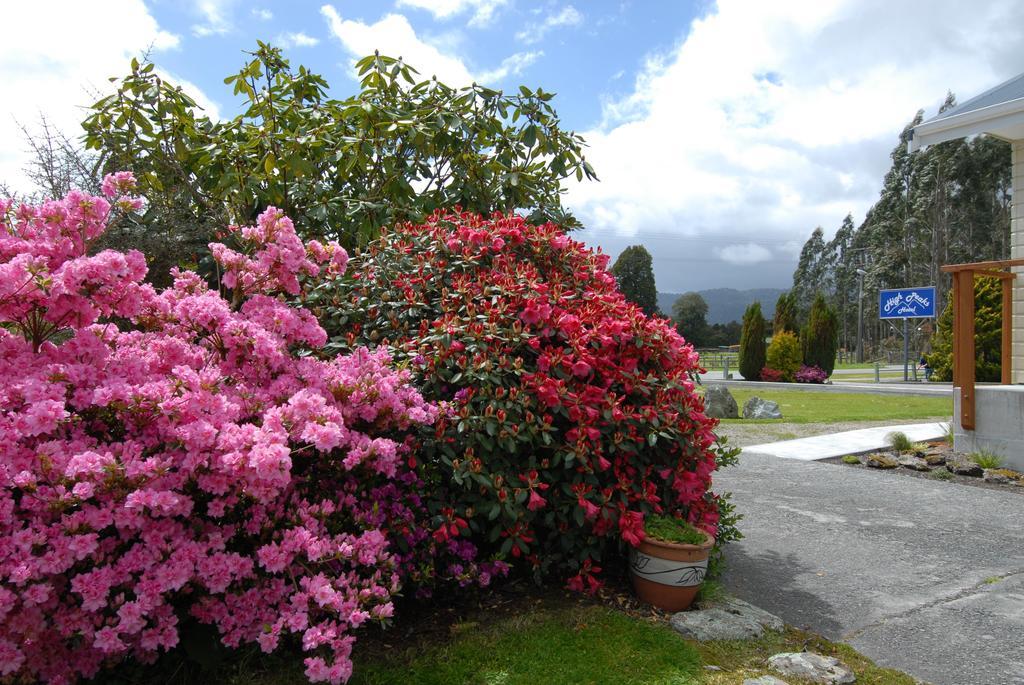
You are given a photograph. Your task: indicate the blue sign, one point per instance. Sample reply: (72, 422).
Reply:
(907, 303)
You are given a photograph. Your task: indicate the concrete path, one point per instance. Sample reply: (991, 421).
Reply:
(849, 442)
(920, 575)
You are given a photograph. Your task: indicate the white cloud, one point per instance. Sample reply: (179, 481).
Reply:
(747, 253)
(394, 36)
(567, 16)
(207, 107)
(296, 40)
(216, 18)
(512, 65)
(55, 68)
(484, 11)
(262, 14)
(770, 118)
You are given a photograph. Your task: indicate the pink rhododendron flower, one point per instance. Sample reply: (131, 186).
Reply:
(172, 450)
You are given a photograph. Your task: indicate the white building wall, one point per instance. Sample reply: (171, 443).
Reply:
(1017, 252)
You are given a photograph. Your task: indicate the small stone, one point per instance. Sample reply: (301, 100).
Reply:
(719, 403)
(765, 680)
(710, 667)
(913, 463)
(961, 465)
(935, 457)
(996, 476)
(814, 667)
(728, 619)
(880, 461)
(756, 408)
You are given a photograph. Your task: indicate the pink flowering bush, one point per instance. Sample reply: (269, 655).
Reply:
(172, 456)
(810, 374)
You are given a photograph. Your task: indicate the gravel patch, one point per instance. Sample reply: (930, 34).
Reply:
(747, 434)
(947, 477)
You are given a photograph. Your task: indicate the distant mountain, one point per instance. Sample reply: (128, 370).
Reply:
(728, 304)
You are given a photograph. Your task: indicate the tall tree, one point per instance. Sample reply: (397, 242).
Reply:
(944, 204)
(820, 336)
(689, 312)
(752, 346)
(810, 275)
(785, 314)
(634, 272)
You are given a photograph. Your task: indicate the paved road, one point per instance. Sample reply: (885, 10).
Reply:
(883, 388)
(926, 577)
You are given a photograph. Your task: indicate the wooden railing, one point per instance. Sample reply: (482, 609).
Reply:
(963, 328)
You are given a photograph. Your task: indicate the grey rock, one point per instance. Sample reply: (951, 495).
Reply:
(719, 403)
(756, 408)
(728, 619)
(914, 463)
(961, 465)
(995, 476)
(765, 680)
(879, 461)
(935, 457)
(814, 667)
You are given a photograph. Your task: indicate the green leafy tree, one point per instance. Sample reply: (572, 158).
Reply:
(785, 314)
(634, 273)
(752, 347)
(811, 272)
(988, 340)
(820, 337)
(396, 151)
(689, 312)
(784, 355)
(724, 334)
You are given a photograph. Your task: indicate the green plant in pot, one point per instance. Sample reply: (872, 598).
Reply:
(669, 566)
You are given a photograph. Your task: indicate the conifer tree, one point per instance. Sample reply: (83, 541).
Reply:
(820, 336)
(752, 346)
(785, 314)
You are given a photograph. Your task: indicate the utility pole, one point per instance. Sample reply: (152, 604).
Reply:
(861, 273)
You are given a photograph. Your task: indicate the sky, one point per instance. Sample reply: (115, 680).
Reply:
(723, 131)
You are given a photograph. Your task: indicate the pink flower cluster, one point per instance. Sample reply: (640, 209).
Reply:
(169, 452)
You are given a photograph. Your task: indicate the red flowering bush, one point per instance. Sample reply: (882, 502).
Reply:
(168, 457)
(770, 375)
(810, 374)
(573, 414)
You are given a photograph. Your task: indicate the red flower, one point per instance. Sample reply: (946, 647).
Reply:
(535, 312)
(581, 369)
(631, 526)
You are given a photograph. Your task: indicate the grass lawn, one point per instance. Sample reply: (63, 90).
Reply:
(566, 640)
(807, 406)
(858, 365)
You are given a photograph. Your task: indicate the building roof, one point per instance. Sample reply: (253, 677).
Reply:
(998, 112)
(1004, 92)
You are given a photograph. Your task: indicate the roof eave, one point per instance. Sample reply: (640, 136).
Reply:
(991, 120)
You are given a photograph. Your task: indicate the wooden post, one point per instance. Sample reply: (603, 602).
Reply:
(963, 352)
(1006, 359)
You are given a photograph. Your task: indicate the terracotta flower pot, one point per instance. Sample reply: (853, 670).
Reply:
(667, 574)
